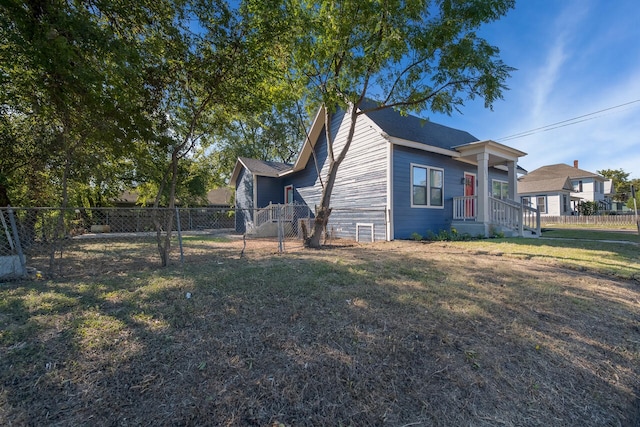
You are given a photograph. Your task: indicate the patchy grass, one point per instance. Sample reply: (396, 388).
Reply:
(601, 257)
(496, 332)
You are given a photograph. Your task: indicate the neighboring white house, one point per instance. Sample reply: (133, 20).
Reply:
(558, 189)
(552, 196)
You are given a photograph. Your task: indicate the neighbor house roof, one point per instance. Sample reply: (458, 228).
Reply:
(217, 196)
(543, 185)
(562, 170)
(220, 196)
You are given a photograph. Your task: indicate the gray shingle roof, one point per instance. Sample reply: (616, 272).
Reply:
(416, 129)
(558, 171)
(263, 167)
(543, 185)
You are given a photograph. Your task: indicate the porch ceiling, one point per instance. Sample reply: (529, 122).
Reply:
(499, 154)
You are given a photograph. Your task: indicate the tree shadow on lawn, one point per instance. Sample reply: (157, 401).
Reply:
(360, 336)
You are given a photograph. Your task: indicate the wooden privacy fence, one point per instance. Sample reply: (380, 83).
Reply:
(590, 220)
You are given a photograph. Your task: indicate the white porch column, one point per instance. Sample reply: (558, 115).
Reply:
(513, 179)
(483, 189)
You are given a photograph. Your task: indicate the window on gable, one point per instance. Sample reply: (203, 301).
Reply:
(427, 186)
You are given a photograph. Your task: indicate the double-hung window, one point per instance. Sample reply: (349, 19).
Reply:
(500, 189)
(541, 203)
(427, 187)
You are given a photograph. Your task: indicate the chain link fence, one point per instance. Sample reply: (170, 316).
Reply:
(77, 241)
(53, 242)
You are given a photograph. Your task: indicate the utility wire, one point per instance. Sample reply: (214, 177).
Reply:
(563, 123)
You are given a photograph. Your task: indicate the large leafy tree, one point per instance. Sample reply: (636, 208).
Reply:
(411, 55)
(219, 69)
(74, 91)
(274, 135)
(621, 182)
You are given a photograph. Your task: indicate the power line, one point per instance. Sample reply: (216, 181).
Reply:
(563, 123)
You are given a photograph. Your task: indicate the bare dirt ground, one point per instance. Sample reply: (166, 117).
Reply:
(395, 333)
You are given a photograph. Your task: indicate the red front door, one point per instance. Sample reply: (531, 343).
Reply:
(469, 190)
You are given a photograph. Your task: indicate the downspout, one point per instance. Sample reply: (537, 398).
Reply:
(389, 210)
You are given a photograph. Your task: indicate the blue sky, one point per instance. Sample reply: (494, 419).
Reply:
(573, 58)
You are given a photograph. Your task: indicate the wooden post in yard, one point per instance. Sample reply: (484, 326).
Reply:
(635, 208)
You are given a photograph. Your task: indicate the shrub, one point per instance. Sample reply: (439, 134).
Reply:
(416, 236)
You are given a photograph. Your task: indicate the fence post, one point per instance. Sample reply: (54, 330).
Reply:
(179, 229)
(6, 231)
(280, 230)
(16, 239)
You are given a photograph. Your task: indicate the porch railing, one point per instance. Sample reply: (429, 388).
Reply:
(266, 214)
(272, 212)
(531, 219)
(504, 213)
(465, 208)
(514, 215)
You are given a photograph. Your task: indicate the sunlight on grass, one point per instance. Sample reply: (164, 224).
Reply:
(583, 234)
(97, 331)
(150, 322)
(48, 302)
(608, 258)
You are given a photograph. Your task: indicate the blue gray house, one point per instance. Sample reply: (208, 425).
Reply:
(402, 175)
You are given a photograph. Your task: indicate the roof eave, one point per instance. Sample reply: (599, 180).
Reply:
(490, 146)
(421, 146)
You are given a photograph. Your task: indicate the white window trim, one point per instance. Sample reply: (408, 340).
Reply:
(428, 168)
(501, 182)
(546, 206)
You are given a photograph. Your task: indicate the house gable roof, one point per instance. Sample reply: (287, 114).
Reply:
(562, 170)
(259, 167)
(415, 129)
(409, 131)
(544, 185)
(553, 178)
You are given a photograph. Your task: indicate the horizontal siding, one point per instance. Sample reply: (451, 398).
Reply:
(342, 223)
(270, 190)
(360, 182)
(408, 220)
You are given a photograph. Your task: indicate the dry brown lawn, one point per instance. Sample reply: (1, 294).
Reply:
(396, 333)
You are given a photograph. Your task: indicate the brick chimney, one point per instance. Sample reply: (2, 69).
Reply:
(575, 164)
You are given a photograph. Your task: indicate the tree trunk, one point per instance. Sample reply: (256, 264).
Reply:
(164, 242)
(4, 196)
(323, 211)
